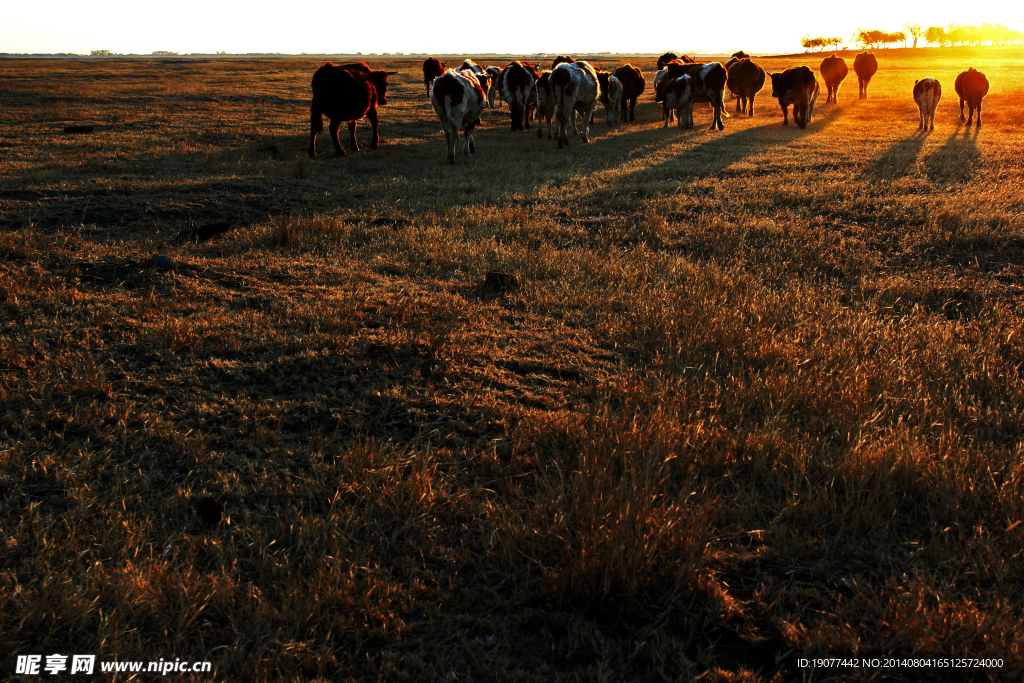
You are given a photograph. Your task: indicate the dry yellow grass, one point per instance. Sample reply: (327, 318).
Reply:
(757, 397)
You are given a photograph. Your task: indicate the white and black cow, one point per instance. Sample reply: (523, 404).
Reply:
(458, 101)
(666, 115)
(927, 93)
(545, 103)
(678, 98)
(798, 87)
(469, 66)
(517, 84)
(707, 84)
(575, 90)
(495, 89)
(611, 96)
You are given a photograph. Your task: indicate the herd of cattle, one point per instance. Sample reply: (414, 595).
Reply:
(570, 91)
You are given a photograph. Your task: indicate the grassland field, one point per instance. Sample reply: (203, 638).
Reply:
(757, 396)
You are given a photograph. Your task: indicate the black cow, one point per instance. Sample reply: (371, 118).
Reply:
(346, 92)
(798, 87)
(971, 86)
(632, 87)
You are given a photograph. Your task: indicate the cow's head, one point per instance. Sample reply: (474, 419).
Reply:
(380, 82)
(776, 84)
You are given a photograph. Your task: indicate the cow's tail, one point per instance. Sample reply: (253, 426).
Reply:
(448, 108)
(720, 95)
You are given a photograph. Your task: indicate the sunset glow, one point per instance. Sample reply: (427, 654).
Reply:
(415, 27)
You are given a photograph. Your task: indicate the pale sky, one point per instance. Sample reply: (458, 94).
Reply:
(414, 26)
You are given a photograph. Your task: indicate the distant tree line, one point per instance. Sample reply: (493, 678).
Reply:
(954, 34)
(957, 34)
(810, 44)
(874, 39)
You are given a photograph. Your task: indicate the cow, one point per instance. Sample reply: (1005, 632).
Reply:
(665, 59)
(678, 96)
(798, 87)
(575, 90)
(517, 81)
(562, 59)
(746, 79)
(432, 68)
(833, 72)
(611, 95)
(545, 103)
(495, 89)
(346, 92)
(478, 72)
(707, 84)
(971, 86)
(458, 100)
(927, 93)
(865, 65)
(632, 86)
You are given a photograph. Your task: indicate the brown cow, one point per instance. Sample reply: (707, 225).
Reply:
(746, 79)
(346, 92)
(562, 59)
(833, 72)
(927, 93)
(632, 86)
(865, 65)
(971, 86)
(432, 68)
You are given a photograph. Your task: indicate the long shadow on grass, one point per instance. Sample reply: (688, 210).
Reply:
(957, 161)
(714, 156)
(898, 161)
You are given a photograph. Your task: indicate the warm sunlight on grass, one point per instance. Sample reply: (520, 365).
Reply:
(754, 396)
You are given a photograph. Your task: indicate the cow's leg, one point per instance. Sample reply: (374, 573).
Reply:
(970, 113)
(979, 114)
(335, 125)
(751, 104)
(353, 145)
(785, 113)
(590, 115)
(961, 110)
(470, 146)
(316, 125)
(449, 145)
